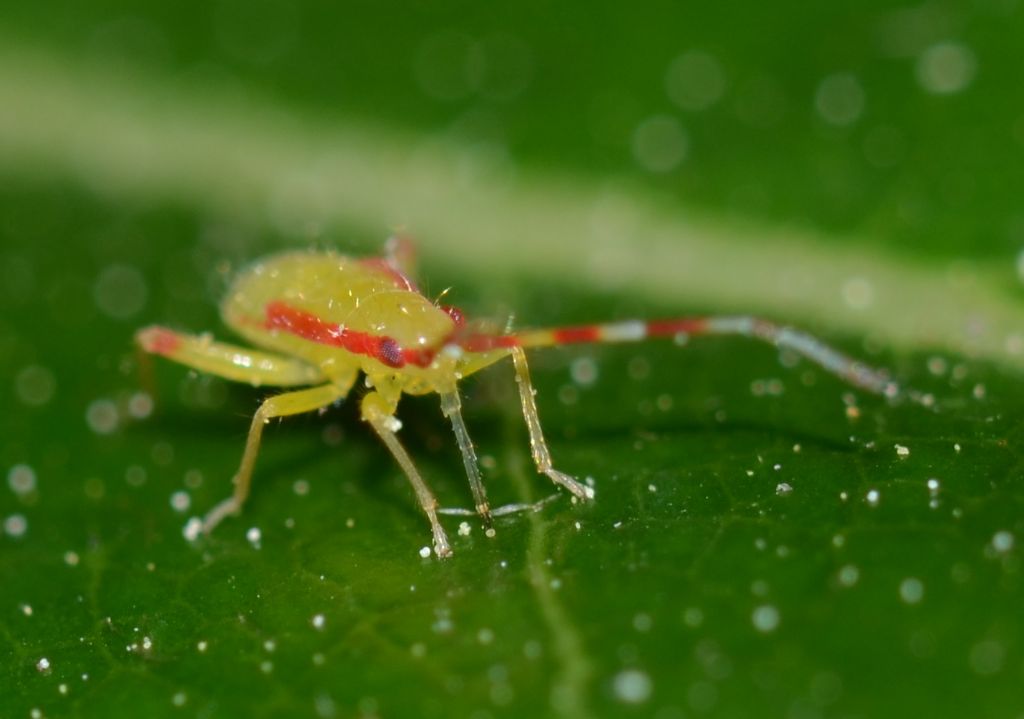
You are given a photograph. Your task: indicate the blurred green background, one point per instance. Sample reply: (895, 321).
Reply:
(765, 541)
(899, 122)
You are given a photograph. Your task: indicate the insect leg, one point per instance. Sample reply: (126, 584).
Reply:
(400, 253)
(538, 447)
(232, 362)
(379, 413)
(842, 366)
(846, 368)
(451, 407)
(281, 405)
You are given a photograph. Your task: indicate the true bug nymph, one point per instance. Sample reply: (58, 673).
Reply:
(323, 318)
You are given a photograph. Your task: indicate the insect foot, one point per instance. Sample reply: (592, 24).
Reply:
(441, 547)
(228, 507)
(579, 490)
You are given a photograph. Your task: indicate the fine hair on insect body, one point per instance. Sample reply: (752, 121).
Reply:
(316, 320)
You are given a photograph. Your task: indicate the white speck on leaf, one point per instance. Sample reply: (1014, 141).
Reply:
(765, 618)
(911, 590)
(1002, 541)
(632, 686)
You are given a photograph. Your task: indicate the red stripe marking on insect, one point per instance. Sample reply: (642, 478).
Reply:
(483, 343)
(306, 325)
(159, 340)
(570, 335)
(419, 356)
(457, 315)
(667, 328)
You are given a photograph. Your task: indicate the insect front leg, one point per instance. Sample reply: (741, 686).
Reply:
(451, 406)
(379, 412)
(282, 405)
(538, 447)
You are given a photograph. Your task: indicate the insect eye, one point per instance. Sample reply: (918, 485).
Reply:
(390, 353)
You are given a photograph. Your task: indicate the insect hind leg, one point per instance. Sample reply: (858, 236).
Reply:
(232, 362)
(400, 253)
(538, 447)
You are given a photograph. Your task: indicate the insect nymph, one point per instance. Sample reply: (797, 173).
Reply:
(322, 318)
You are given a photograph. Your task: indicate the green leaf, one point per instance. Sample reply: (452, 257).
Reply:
(765, 541)
(734, 562)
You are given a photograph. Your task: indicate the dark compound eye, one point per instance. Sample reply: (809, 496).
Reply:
(390, 353)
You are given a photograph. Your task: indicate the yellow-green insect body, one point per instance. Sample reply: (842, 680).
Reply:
(338, 313)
